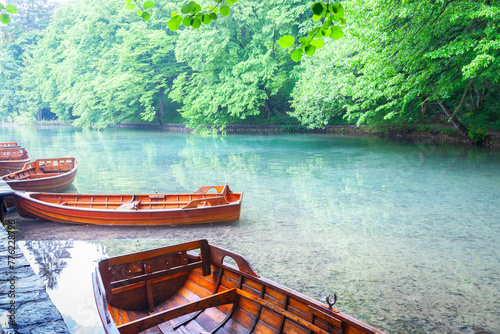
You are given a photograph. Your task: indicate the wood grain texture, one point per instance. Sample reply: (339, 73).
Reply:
(225, 300)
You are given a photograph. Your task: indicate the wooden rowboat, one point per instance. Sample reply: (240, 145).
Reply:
(13, 159)
(52, 175)
(147, 209)
(176, 290)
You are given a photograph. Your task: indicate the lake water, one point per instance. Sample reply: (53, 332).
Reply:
(407, 235)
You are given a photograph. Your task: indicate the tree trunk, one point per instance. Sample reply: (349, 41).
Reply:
(454, 120)
(267, 108)
(161, 112)
(425, 107)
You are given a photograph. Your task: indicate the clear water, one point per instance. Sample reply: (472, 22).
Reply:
(407, 235)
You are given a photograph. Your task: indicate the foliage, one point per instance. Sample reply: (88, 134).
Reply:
(193, 16)
(8, 9)
(237, 68)
(99, 68)
(478, 135)
(20, 34)
(329, 14)
(412, 57)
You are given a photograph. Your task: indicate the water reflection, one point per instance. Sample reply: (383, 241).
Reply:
(50, 258)
(404, 233)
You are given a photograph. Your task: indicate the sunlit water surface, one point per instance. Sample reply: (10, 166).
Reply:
(405, 234)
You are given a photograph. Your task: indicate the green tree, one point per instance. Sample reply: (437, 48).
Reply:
(237, 68)
(409, 59)
(98, 68)
(24, 31)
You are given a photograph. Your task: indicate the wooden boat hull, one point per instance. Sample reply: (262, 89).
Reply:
(36, 181)
(13, 159)
(95, 212)
(174, 290)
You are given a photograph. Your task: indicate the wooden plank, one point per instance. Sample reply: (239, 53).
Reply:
(133, 327)
(203, 281)
(323, 314)
(153, 253)
(263, 328)
(154, 275)
(243, 317)
(198, 290)
(276, 309)
(234, 327)
(270, 318)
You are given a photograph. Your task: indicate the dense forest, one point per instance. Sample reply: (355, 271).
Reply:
(400, 62)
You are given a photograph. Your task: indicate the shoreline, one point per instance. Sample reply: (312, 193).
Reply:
(436, 133)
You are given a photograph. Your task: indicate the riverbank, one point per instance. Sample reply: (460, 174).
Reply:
(440, 133)
(25, 306)
(437, 133)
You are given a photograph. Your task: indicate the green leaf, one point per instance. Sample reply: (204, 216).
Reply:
(139, 12)
(4, 18)
(146, 16)
(231, 2)
(327, 32)
(310, 50)
(213, 16)
(187, 8)
(317, 8)
(343, 20)
(174, 22)
(318, 43)
(196, 23)
(338, 10)
(286, 41)
(316, 18)
(206, 19)
(302, 40)
(297, 55)
(130, 6)
(148, 4)
(336, 32)
(187, 21)
(11, 9)
(1, 6)
(225, 10)
(173, 14)
(196, 9)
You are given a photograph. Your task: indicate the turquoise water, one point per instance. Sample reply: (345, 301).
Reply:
(405, 234)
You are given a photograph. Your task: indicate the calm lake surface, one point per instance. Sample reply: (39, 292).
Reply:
(407, 235)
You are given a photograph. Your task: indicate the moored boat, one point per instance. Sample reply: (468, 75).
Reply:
(50, 175)
(13, 159)
(176, 290)
(208, 204)
(11, 144)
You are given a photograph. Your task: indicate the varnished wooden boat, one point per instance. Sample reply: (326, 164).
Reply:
(176, 290)
(13, 159)
(201, 206)
(9, 145)
(51, 175)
